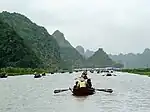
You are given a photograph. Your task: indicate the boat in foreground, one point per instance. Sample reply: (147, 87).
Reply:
(83, 87)
(84, 91)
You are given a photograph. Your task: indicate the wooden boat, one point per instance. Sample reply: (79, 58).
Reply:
(43, 74)
(98, 71)
(84, 91)
(92, 71)
(76, 71)
(3, 75)
(37, 76)
(62, 71)
(70, 72)
(52, 72)
(108, 74)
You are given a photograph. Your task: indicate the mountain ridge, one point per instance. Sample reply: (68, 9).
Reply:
(88, 53)
(35, 37)
(70, 56)
(133, 60)
(14, 53)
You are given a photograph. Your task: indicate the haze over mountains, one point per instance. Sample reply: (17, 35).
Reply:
(130, 60)
(84, 53)
(69, 55)
(39, 49)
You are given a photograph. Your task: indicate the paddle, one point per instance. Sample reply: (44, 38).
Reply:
(105, 90)
(61, 90)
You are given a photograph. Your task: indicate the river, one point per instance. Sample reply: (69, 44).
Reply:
(26, 94)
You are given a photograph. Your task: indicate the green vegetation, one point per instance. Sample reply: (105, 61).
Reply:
(69, 55)
(21, 71)
(145, 71)
(26, 47)
(13, 51)
(35, 37)
(72, 58)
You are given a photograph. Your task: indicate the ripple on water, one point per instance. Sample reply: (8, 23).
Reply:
(26, 94)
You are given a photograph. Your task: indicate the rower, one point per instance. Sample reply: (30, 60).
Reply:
(84, 75)
(88, 80)
(76, 85)
(81, 83)
(89, 83)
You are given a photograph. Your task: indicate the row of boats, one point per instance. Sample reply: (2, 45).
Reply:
(36, 75)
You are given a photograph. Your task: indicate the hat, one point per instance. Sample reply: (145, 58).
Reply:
(82, 79)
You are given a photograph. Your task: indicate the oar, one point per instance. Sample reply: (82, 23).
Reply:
(105, 90)
(61, 90)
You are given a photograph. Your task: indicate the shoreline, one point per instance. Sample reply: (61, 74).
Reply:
(10, 71)
(145, 71)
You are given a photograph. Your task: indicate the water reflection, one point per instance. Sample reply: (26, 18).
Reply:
(80, 98)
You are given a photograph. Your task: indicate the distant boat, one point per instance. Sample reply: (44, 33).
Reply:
(3, 75)
(76, 70)
(70, 72)
(92, 71)
(37, 76)
(108, 74)
(62, 71)
(43, 74)
(98, 71)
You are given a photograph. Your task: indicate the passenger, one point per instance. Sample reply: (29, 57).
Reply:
(89, 83)
(84, 75)
(35, 73)
(43, 74)
(82, 83)
(76, 85)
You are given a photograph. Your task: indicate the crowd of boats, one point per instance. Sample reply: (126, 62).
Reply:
(83, 84)
(103, 72)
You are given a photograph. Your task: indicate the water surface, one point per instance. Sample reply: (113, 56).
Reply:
(26, 94)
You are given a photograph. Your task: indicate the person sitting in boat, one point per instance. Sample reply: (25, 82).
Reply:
(84, 75)
(35, 73)
(43, 74)
(81, 83)
(76, 86)
(89, 83)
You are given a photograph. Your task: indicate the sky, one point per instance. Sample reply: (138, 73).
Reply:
(117, 26)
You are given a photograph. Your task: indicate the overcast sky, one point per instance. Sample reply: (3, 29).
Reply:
(118, 26)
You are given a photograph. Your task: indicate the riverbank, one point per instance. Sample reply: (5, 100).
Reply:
(138, 71)
(10, 71)
(22, 71)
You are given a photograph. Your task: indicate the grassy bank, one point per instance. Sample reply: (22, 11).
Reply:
(22, 71)
(145, 71)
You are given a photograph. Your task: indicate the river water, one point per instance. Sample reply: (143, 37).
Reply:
(26, 94)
